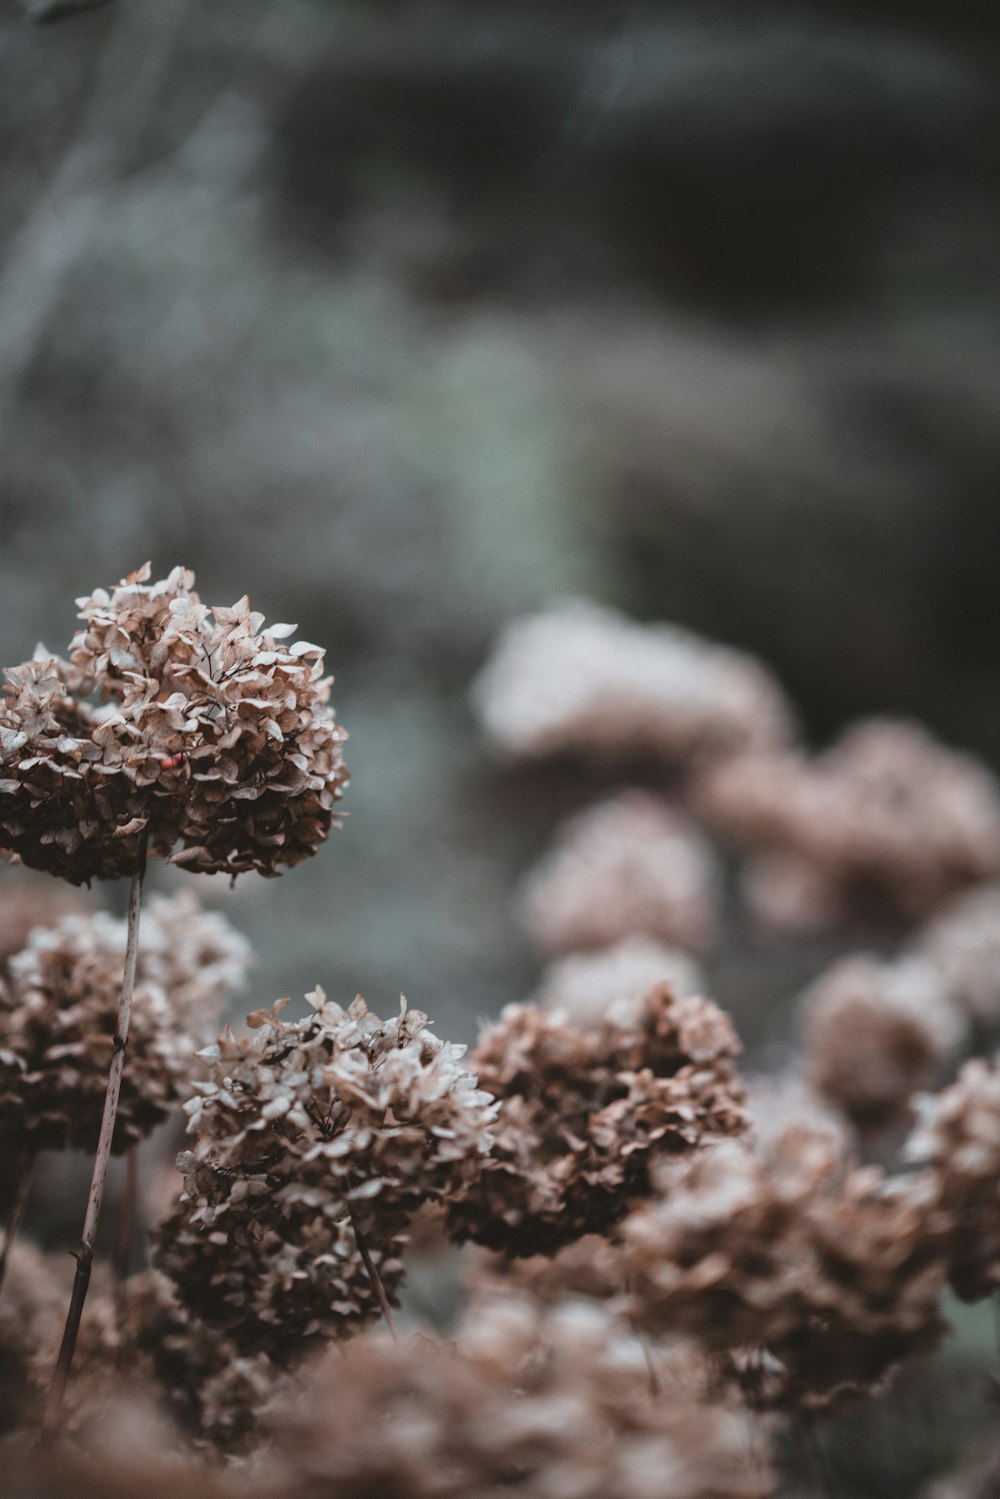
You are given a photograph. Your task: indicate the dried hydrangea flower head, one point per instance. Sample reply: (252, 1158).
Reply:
(818, 1278)
(57, 1021)
(629, 865)
(308, 1135)
(583, 1113)
(31, 1306)
(963, 944)
(584, 679)
(593, 987)
(28, 901)
(875, 1033)
(546, 1403)
(887, 817)
(172, 723)
(958, 1137)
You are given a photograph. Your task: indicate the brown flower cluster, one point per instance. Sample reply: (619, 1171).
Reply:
(886, 815)
(584, 1113)
(171, 722)
(544, 1403)
(31, 1304)
(963, 944)
(28, 901)
(583, 678)
(816, 1278)
(309, 1135)
(628, 865)
(58, 1016)
(875, 1033)
(216, 1394)
(592, 987)
(958, 1138)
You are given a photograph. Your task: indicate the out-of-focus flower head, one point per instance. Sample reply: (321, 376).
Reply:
(957, 1136)
(963, 944)
(57, 1021)
(171, 722)
(29, 900)
(307, 1134)
(875, 1033)
(544, 1401)
(815, 1278)
(626, 866)
(611, 984)
(583, 1113)
(886, 820)
(585, 679)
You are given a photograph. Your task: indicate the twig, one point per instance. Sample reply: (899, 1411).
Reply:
(17, 1209)
(85, 1255)
(373, 1275)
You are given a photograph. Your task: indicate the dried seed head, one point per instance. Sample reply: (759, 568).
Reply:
(58, 1017)
(629, 865)
(174, 722)
(583, 1113)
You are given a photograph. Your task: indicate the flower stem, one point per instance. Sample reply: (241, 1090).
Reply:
(17, 1208)
(85, 1254)
(373, 1276)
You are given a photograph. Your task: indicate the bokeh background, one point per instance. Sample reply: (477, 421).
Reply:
(406, 317)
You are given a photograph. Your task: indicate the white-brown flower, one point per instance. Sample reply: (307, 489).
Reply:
(543, 1402)
(174, 723)
(875, 1033)
(886, 820)
(585, 1113)
(306, 1135)
(627, 866)
(585, 679)
(59, 1011)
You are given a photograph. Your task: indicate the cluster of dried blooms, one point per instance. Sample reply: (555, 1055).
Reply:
(963, 944)
(811, 1277)
(583, 678)
(57, 1021)
(875, 1033)
(28, 901)
(592, 987)
(630, 865)
(958, 1138)
(584, 1113)
(544, 1402)
(315, 1143)
(886, 816)
(171, 723)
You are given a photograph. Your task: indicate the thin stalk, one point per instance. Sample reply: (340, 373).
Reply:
(85, 1254)
(17, 1209)
(373, 1276)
